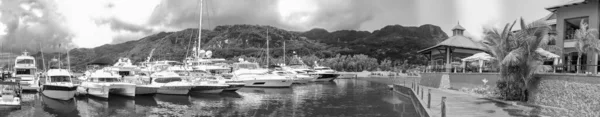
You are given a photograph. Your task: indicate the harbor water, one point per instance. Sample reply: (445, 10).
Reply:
(343, 97)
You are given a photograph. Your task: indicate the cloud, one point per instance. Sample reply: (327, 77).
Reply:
(27, 24)
(287, 14)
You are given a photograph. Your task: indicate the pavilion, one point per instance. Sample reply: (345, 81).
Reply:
(441, 56)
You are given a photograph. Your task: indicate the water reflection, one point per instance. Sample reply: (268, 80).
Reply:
(344, 97)
(62, 108)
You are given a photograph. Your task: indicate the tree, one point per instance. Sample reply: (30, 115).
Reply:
(517, 56)
(585, 41)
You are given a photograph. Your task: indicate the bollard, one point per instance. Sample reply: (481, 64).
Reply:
(429, 99)
(443, 106)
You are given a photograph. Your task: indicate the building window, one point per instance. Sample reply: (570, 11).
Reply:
(571, 25)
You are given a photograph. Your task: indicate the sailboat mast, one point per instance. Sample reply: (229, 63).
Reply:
(267, 46)
(199, 30)
(43, 61)
(284, 52)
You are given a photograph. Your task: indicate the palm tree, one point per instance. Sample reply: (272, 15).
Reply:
(516, 55)
(585, 41)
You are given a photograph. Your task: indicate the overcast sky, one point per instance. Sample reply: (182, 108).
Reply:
(91, 23)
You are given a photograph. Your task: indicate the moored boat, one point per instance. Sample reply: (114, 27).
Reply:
(254, 76)
(57, 84)
(207, 84)
(10, 95)
(25, 69)
(101, 84)
(170, 83)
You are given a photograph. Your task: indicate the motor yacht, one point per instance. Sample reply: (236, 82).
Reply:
(57, 84)
(26, 70)
(254, 76)
(10, 94)
(134, 74)
(170, 83)
(205, 83)
(324, 73)
(102, 83)
(234, 83)
(296, 77)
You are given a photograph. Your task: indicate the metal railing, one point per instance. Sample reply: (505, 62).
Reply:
(584, 69)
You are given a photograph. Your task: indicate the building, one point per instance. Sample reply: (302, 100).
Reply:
(567, 18)
(453, 49)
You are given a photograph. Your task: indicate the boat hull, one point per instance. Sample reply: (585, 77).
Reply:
(234, 86)
(29, 86)
(9, 102)
(145, 89)
(59, 92)
(326, 77)
(208, 89)
(174, 90)
(269, 83)
(106, 90)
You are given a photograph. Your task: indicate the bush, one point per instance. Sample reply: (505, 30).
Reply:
(511, 90)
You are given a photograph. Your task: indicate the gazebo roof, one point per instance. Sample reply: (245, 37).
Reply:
(569, 3)
(458, 41)
(458, 27)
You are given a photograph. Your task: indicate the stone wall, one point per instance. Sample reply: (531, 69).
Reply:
(566, 95)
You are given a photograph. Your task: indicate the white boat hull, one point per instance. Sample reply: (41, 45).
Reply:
(234, 86)
(59, 94)
(269, 83)
(145, 89)
(10, 101)
(174, 90)
(30, 86)
(105, 91)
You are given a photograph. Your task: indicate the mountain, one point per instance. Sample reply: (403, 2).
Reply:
(394, 42)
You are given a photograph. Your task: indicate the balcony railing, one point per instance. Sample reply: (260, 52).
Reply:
(572, 69)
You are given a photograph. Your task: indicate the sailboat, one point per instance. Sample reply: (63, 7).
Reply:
(201, 63)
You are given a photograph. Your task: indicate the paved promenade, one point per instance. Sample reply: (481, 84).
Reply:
(460, 104)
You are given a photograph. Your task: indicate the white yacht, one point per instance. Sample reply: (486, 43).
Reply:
(25, 68)
(134, 74)
(10, 94)
(205, 83)
(296, 77)
(324, 73)
(102, 83)
(170, 83)
(57, 84)
(234, 83)
(254, 76)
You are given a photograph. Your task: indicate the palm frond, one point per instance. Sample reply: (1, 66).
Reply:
(514, 57)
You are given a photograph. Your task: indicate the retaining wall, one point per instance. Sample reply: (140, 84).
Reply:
(566, 94)
(560, 94)
(460, 80)
(415, 100)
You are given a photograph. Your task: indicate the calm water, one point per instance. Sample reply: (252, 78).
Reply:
(344, 97)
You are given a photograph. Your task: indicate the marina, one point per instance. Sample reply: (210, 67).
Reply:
(343, 97)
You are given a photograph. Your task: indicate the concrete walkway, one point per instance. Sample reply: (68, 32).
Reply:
(460, 104)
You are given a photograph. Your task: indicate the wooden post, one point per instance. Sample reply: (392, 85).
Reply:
(429, 99)
(443, 106)
(422, 93)
(417, 89)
